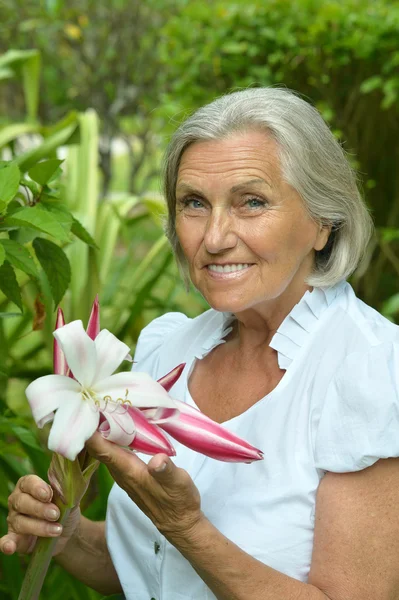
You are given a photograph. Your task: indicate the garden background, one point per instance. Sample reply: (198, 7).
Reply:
(100, 86)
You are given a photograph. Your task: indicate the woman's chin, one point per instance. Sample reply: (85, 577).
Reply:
(224, 303)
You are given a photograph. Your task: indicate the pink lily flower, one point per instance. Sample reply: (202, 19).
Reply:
(186, 424)
(169, 380)
(195, 430)
(93, 325)
(75, 405)
(148, 439)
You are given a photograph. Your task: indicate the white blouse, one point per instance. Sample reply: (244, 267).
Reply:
(335, 409)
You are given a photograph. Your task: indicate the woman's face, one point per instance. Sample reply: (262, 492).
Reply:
(245, 232)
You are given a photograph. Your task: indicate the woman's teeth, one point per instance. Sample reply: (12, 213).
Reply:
(227, 268)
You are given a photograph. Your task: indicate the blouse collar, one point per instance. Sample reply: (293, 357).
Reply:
(301, 321)
(293, 331)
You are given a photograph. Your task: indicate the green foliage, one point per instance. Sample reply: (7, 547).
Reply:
(19, 257)
(41, 212)
(62, 242)
(341, 56)
(9, 285)
(9, 183)
(107, 74)
(55, 265)
(26, 65)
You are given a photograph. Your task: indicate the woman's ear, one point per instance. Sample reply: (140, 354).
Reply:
(322, 237)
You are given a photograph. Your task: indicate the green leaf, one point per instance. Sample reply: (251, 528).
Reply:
(43, 171)
(31, 80)
(371, 84)
(49, 145)
(2, 254)
(11, 132)
(19, 256)
(389, 234)
(25, 436)
(60, 212)
(9, 183)
(9, 285)
(27, 64)
(38, 218)
(13, 57)
(6, 73)
(82, 233)
(13, 466)
(56, 266)
(391, 306)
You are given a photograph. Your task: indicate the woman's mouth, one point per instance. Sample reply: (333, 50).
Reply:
(228, 270)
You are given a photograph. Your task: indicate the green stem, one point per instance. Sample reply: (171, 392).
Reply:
(40, 561)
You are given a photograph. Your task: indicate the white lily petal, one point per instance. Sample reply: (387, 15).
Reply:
(142, 390)
(118, 427)
(47, 419)
(46, 394)
(79, 350)
(110, 353)
(74, 423)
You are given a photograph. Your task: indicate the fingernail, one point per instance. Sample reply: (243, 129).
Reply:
(52, 513)
(43, 493)
(161, 468)
(55, 529)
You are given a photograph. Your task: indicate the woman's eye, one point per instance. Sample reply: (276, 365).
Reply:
(192, 203)
(255, 203)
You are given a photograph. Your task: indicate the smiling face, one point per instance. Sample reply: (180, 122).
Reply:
(244, 231)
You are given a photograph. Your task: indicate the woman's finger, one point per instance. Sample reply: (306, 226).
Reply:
(27, 505)
(36, 487)
(8, 543)
(28, 526)
(12, 542)
(121, 463)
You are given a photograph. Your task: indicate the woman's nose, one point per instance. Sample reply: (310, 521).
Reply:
(220, 234)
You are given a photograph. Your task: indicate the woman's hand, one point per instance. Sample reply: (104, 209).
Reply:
(32, 514)
(164, 492)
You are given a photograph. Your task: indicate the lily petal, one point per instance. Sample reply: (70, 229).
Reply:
(75, 422)
(110, 353)
(149, 439)
(46, 394)
(138, 388)
(59, 361)
(79, 350)
(169, 380)
(93, 325)
(160, 415)
(198, 432)
(118, 426)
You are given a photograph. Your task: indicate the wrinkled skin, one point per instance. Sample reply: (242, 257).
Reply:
(29, 517)
(168, 497)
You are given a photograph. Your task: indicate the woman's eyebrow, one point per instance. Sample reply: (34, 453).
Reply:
(237, 188)
(185, 187)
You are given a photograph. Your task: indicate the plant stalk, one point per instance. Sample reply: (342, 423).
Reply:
(40, 561)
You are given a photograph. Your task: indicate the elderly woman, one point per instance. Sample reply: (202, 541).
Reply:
(266, 218)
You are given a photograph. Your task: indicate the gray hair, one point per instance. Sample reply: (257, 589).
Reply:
(312, 161)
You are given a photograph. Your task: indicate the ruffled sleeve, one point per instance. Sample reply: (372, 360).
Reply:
(359, 422)
(153, 338)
